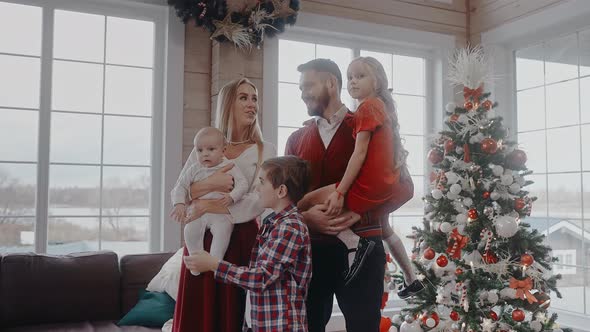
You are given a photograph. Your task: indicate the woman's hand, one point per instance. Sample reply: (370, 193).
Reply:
(201, 261)
(227, 200)
(178, 213)
(196, 210)
(221, 181)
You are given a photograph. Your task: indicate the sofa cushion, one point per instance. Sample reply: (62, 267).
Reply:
(101, 326)
(153, 310)
(136, 273)
(43, 289)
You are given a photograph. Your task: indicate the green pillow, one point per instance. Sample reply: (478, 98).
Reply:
(153, 310)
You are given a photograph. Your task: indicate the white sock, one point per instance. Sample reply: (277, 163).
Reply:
(396, 248)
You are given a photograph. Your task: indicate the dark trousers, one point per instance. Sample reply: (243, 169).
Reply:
(360, 301)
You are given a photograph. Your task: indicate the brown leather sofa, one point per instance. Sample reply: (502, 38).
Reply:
(73, 293)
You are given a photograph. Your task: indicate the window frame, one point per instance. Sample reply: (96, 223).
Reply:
(166, 117)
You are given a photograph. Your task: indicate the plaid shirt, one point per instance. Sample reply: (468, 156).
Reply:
(279, 273)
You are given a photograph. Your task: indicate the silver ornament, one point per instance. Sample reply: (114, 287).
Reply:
(495, 195)
(455, 189)
(437, 194)
(506, 179)
(514, 188)
(450, 107)
(498, 170)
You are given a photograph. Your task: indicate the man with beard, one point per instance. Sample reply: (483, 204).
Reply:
(327, 143)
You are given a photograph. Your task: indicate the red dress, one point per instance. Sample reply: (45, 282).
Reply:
(205, 305)
(373, 185)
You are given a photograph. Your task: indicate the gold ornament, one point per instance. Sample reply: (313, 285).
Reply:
(282, 8)
(235, 32)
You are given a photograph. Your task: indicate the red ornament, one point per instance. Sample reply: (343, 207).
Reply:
(385, 324)
(489, 146)
(486, 195)
(516, 159)
(518, 315)
(466, 153)
(429, 253)
(458, 271)
(468, 105)
(442, 261)
(435, 156)
(493, 315)
(454, 315)
(527, 260)
(384, 299)
(449, 146)
(433, 323)
(519, 204)
(489, 257)
(487, 105)
(472, 214)
(454, 117)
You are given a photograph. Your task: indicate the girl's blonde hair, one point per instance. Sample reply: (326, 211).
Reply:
(376, 69)
(224, 120)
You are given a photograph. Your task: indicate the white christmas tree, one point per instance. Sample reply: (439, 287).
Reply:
(484, 268)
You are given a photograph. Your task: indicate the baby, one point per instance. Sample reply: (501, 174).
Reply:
(210, 146)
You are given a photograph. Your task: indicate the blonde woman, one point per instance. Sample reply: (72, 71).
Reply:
(204, 305)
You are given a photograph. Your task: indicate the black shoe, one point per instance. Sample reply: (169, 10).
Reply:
(364, 248)
(414, 288)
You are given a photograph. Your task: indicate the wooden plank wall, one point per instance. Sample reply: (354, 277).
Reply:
(489, 14)
(426, 15)
(197, 85)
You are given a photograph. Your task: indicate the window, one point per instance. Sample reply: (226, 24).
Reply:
(76, 127)
(553, 128)
(292, 112)
(568, 259)
(406, 75)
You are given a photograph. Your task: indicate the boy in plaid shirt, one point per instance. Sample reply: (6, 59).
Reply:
(280, 264)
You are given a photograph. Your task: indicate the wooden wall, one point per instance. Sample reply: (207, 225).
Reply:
(489, 14)
(197, 85)
(426, 15)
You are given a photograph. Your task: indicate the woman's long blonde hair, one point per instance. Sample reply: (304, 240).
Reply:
(400, 154)
(224, 119)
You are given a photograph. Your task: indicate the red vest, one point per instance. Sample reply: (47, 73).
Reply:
(329, 164)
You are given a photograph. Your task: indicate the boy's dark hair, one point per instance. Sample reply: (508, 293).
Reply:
(293, 172)
(322, 66)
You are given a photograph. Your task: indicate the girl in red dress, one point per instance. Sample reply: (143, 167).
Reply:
(375, 171)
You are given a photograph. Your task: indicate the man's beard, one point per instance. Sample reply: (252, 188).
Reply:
(321, 103)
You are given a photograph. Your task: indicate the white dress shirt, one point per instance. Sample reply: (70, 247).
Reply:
(328, 129)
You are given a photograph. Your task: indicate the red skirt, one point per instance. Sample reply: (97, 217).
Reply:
(205, 305)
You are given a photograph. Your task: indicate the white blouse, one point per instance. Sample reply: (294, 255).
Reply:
(247, 208)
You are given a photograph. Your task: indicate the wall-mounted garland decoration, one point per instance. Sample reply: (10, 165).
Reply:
(245, 23)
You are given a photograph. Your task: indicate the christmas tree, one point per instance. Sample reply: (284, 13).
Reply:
(483, 266)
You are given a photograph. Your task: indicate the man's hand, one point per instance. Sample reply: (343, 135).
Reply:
(178, 213)
(201, 261)
(318, 220)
